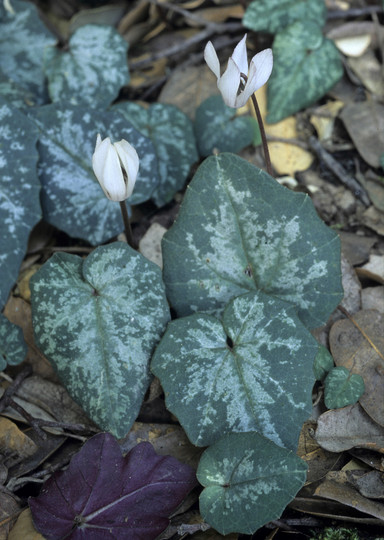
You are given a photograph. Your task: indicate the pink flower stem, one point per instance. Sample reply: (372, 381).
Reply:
(127, 224)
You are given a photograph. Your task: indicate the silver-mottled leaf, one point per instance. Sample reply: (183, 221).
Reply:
(252, 371)
(92, 71)
(72, 198)
(172, 135)
(342, 388)
(12, 345)
(248, 482)
(238, 230)
(305, 66)
(19, 192)
(14, 94)
(98, 320)
(274, 15)
(219, 127)
(23, 38)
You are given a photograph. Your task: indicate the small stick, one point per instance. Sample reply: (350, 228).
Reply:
(263, 135)
(338, 170)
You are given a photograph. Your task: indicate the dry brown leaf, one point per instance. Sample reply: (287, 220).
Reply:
(373, 298)
(8, 507)
(365, 124)
(166, 439)
(373, 269)
(219, 14)
(358, 345)
(13, 442)
(356, 248)
(337, 489)
(24, 528)
(188, 87)
(323, 118)
(369, 484)
(369, 71)
(342, 429)
(374, 219)
(286, 158)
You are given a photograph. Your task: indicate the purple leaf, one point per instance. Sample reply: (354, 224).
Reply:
(105, 495)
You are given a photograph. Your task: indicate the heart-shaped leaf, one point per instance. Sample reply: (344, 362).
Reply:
(252, 371)
(218, 126)
(238, 230)
(12, 345)
(98, 320)
(274, 15)
(72, 198)
(305, 66)
(23, 38)
(248, 482)
(342, 388)
(103, 495)
(172, 135)
(14, 94)
(92, 71)
(19, 192)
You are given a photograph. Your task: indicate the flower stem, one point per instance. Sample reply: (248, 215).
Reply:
(263, 135)
(127, 224)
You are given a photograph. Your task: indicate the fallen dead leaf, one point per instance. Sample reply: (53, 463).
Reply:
(24, 528)
(369, 484)
(323, 118)
(356, 248)
(358, 345)
(14, 444)
(369, 71)
(337, 489)
(342, 429)
(374, 219)
(9, 507)
(373, 269)
(364, 122)
(373, 298)
(150, 244)
(286, 158)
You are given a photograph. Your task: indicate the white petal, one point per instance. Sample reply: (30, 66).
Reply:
(113, 183)
(239, 56)
(99, 156)
(210, 57)
(261, 68)
(130, 162)
(229, 83)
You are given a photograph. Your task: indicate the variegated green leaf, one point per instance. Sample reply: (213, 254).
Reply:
(342, 388)
(98, 320)
(219, 127)
(238, 230)
(306, 65)
(248, 482)
(92, 71)
(72, 198)
(23, 38)
(19, 192)
(13, 93)
(323, 363)
(252, 371)
(12, 345)
(274, 15)
(172, 135)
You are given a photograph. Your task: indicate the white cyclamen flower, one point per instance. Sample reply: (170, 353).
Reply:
(116, 167)
(235, 90)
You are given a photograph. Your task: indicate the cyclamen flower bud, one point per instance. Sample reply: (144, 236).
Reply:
(233, 87)
(116, 167)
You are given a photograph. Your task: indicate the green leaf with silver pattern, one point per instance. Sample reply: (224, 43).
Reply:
(306, 65)
(274, 15)
(248, 481)
(12, 345)
(238, 230)
(251, 371)
(98, 320)
(92, 71)
(171, 133)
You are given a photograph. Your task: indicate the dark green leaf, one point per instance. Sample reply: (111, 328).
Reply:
(218, 127)
(98, 320)
(172, 135)
(72, 198)
(274, 15)
(92, 71)
(23, 38)
(306, 65)
(19, 192)
(248, 482)
(323, 363)
(238, 230)
(252, 371)
(12, 345)
(342, 388)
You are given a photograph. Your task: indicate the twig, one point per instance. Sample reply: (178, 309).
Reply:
(338, 170)
(33, 422)
(12, 389)
(179, 48)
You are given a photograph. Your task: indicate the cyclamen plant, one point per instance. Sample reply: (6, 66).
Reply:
(247, 279)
